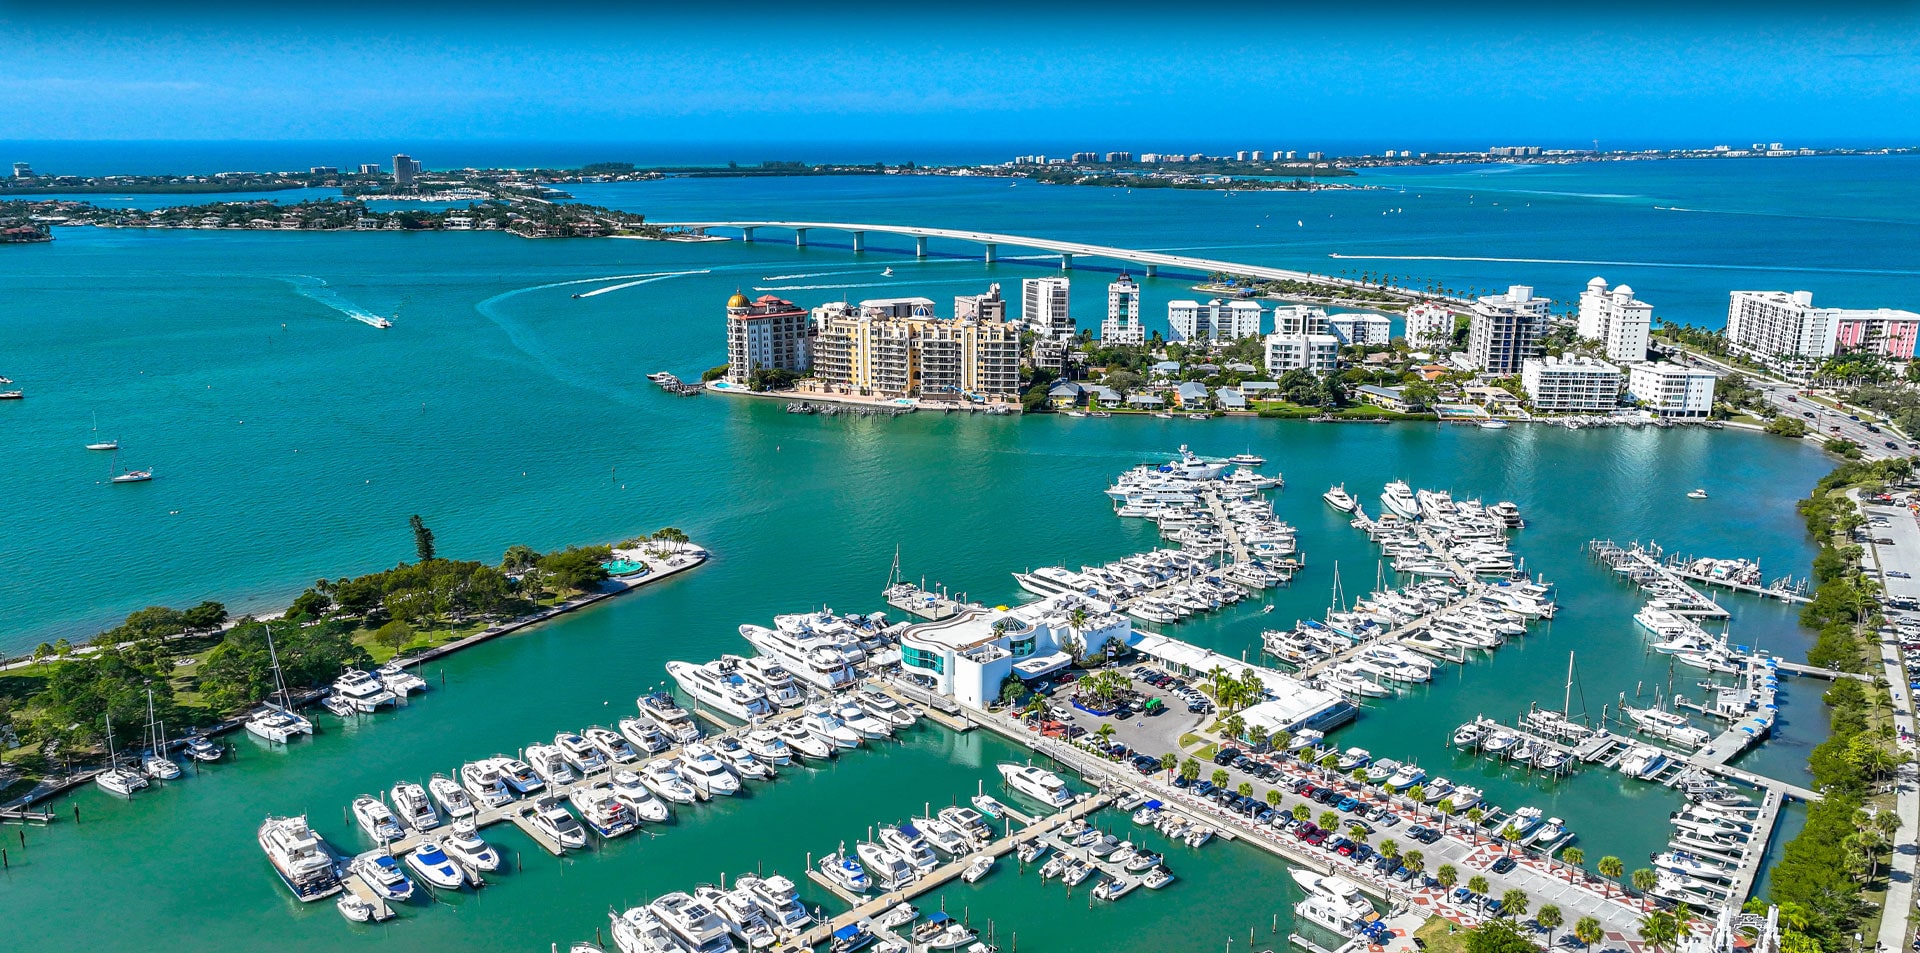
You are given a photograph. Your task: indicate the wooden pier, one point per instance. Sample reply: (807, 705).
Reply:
(358, 886)
(1643, 565)
(1762, 833)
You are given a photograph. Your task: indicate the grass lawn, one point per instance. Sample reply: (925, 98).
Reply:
(1441, 936)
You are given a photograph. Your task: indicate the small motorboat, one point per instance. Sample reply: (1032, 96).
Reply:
(435, 867)
(551, 819)
(202, 748)
(376, 819)
(466, 847)
(382, 873)
(354, 908)
(1697, 495)
(898, 915)
(1156, 878)
(988, 805)
(980, 867)
(1115, 888)
(1031, 850)
(939, 931)
(841, 868)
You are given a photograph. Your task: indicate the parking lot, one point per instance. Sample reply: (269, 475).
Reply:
(1384, 821)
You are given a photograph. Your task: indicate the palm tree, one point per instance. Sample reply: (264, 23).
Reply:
(1417, 794)
(1356, 831)
(1301, 812)
(1659, 930)
(1513, 903)
(1390, 848)
(1448, 875)
(1329, 820)
(1551, 918)
(1643, 881)
(1220, 777)
(1587, 931)
(1104, 732)
(1478, 885)
(1232, 726)
(1509, 833)
(1415, 861)
(1611, 868)
(1167, 763)
(1258, 736)
(1575, 857)
(1476, 815)
(1190, 770)
(1445, 806)
(1273, 797)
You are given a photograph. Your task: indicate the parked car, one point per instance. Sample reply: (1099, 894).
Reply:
(1503, 865)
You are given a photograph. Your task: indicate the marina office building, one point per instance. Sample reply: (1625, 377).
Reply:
(766, 334)
(1785, 325)
(1616, 320)
(896, 347)
(1216, 320)
(1573, 385)
(1671, 390)
(1504, 330)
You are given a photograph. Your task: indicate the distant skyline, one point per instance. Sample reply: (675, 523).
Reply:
(1108, 77)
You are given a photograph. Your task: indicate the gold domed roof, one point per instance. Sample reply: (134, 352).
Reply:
(737, 301)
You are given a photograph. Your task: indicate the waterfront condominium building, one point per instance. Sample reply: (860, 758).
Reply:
(981, 307)
(1122, 325)
(1314, 353)
(1300, 319)
(1217, 320)
(1571, 385)
(768, 333)
(896, 347)
(1430, 327)
(404, 169)
(1504, 330)
(1359, 327)
(1780, 325)
(1890, 332)
(1043, 307)
(1671, 390)
(1616, 320)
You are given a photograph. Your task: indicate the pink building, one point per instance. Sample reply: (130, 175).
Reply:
(1890, 332)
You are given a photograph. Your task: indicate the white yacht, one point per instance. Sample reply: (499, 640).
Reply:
(383, 873)
(742, 761)
(941, 835)
(778, 899)
(663, 778)
(1551, 831)
(550, 763)
(1398, 498)
(698, 928)
(967, 821)
(451, 797)
(632, 790)
(816, 661)
(583, 755)
(482, 779)
(904, 839)
(415, 809)
(603, 810)
(827, 726)
(707, 772)
(721, 686)
(639, 931)
(1642, 762)
(802, 741)
(1334, 903)
(116, 779)
(434, 866)
(553, 820)
(844, 869)
(156, 764)
(767, 745)
(1465, 798)
(861, 720)
(645, 735)
(1340, 499)
(398, 680)
(667, 714)
(611, 744)
(1037, 783)
(518, 775)
(1407, 776)
(277, 723)
(302, 859)
(204, 749)
(740, 913)
(465, 846)
(772, 677)
(362, 690)
(888, 869)
(376, 819)
(883, 706)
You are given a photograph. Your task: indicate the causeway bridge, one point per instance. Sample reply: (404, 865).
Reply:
(1150, 261)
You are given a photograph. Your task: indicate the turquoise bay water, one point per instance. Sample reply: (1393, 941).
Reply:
(291, 442)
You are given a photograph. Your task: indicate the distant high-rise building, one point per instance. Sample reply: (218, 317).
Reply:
(1314, 353)
(766, 334)
(1574, 384)
(1505, 330)
(323, 170)
(370, 168)
(1430, 327)
(1122, 325)
(1615, 319)
(1670, 390)
(1290, 154)
(1043, 307)
(404, 169)
(1113, 157)
(983, 307)
(1241, 156)
(22, 170)
(1259, 156)
(1359, 327)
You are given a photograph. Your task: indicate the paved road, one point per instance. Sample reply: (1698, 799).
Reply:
(1785, 397)
(1896, 927)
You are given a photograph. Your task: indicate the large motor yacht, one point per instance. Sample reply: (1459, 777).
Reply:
(721, 686)
(1037, 783)
(693, 922)
(705, 770)
(1333, 902)
(301, 858)
(772, 677)
(820, 662)
(363, 690)
(667, 714)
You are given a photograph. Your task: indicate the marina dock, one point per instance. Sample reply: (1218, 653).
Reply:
(1762, 832)
(1643, 565)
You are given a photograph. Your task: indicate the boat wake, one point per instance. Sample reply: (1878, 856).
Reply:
(641, 281)
(317, 290)
(526, 341)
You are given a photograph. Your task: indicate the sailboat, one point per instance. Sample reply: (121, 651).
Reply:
(277, 722)
(118, 780)
(130, 476)
(156, 763)
(99, 444)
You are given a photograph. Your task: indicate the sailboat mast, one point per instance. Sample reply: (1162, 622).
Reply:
(1566, 703)
(279, 684)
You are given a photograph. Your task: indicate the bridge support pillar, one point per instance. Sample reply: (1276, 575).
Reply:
(859, 242)
(1153, 270)
(920, 247)
(1066, 262)
(799, 238)
(746, 234)
(993, 253)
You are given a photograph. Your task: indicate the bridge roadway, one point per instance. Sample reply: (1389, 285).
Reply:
(992, 241)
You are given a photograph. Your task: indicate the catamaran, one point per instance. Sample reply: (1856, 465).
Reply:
(277, 723)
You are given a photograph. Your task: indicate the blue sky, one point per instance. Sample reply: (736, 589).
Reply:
(1109, 75)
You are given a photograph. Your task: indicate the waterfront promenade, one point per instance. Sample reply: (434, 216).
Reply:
(1897, 922)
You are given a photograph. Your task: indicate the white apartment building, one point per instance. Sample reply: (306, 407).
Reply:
(1615, 319)
(1358, 327)
(1505, 330)
(1571, 385)
(1430, 327)
(1317, 353)
(1671, 390)
(1044, 307)
(1771, 324)
(1300, 319)
(1122, 325)
(1216, 320)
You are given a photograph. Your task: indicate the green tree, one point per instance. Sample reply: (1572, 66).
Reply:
(1498, 936)
(1549, 918)
(422, 538)
(394, 634)
(1190, 770)
(519, 559)
(1476, 815)
(1415, 861)
(1390, 848)
(1168, 762)
(1611, 868)
(310, 604)
(1574, 857)
(1478, 885)
(1273, 797)
(1445, 806)
(1245, 789)
(1448, 875)
(1643, 881)
(1220, 777)
(1301, 813)
(205, 617)
(1587, 931)
(1513, 903)
(1659, 930)
(1329, 820)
